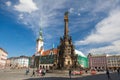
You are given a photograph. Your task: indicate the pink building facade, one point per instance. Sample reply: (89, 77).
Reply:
(97, 62)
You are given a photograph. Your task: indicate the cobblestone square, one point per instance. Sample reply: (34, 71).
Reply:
(19, 74)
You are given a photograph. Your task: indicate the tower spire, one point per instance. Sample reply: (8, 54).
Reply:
(53, 46)
(40, 34)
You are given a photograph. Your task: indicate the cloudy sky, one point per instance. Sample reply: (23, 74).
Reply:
(93, 24)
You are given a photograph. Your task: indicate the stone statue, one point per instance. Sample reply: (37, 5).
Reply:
(66, 13)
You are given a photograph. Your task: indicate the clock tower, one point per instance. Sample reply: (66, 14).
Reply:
(40, 43)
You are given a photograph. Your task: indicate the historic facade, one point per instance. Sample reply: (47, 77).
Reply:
(40, 43)
(3, 58)
(103, 61)
(19, 62)
(66, 53)
(39, 49)
(97, 61)
(48, 59)
(113, 62)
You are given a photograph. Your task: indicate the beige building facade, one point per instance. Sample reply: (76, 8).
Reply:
(3, 58)
(103, 61)
(113, 61)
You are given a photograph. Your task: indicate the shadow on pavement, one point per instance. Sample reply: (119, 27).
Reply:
(50, 78)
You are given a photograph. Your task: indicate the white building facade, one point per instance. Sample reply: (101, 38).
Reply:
(23, 61)
(113, 61)
(19, 62)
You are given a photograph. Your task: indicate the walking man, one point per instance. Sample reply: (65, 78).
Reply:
(108, 74)
(27, 71)
(33, 73)
(118, 71)
(70, 72)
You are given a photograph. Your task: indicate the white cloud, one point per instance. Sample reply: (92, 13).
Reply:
(113, 48)
(26, 6)
(8, 3)
(71, 10)
(21, 16)
(44, 16)
(105, 5)
(106, 31)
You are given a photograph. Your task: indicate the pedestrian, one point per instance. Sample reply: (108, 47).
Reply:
(86, 71)
(33, 73)
(118, 71)
(108, 74)
(27, 71)
(70, 73)
(44, 72)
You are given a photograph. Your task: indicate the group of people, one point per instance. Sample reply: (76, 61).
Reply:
(27, 71)
(41, 72)
(38, 72)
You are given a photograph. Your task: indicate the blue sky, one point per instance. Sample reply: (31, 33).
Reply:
(93, 24)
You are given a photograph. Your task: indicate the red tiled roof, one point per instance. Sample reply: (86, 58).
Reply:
(47, 52)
